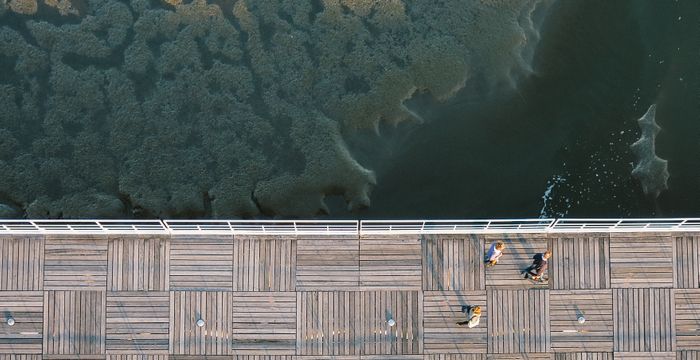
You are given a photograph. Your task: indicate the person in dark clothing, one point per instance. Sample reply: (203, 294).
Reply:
(538, 267)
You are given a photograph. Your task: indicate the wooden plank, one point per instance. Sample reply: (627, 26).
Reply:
(137, 323)
(264, 323)
(405, 337)
(390, 263)
(518, 321)
(455, 357)
(22, 262)
(645, 356)
(687, 266)
(688, 355)
(328, 323)
(583, 356)
(27, 309)
(264, 263)
(73, 323)
(579, 261)
(643, 320)
(138, 263)
(452, 262)
(641, 261)
(517, 255)
(214, 308)
(328, 263)
(75, 262)
(136, 357)
(441, 333)
(595, 334)
(201, 263)
(687, 306)
(20, 357)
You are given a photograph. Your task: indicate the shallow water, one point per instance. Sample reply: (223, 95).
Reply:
(559, 144)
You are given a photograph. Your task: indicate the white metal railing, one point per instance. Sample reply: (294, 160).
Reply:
(270, 227)
(82, 226)
(379, 227)
(347, 227)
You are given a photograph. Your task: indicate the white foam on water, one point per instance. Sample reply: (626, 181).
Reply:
(556, 180)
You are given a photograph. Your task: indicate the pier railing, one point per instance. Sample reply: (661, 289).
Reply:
(346, 227)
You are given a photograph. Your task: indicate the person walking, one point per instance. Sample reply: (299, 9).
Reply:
(538, 267)
(473, 316)
(495, 253)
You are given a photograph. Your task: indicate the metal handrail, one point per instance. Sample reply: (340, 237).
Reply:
(347, 227)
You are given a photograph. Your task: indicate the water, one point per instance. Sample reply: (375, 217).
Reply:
(599, 66)
(255, 109)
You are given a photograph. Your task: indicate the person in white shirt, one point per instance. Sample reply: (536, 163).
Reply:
(473, 316)
(495, 252)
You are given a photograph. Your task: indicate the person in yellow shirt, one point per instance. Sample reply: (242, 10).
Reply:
(473, 316)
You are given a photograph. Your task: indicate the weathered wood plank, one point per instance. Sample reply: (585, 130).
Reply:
(264, 323)
(452, 262)
(74, 323)
(641, 261)
(138, 263)
(27, 309)
(329, 323)
(579, 261)
(595, 334)
(687, 265)
(264, 263)
(214, 337)
(441, 333)
(137, 323)
(391, 263)
(518, 321)
(22, 263)
(201, 263)
(328, 263)
(75, 262)
(643, 320)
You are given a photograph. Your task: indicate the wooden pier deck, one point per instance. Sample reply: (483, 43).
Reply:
(331, 297)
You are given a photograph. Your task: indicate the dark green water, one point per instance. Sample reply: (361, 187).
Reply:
(567, 129)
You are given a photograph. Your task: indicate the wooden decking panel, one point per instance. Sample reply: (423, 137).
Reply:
(688, 355)
(405, 308)
(75, 263)
(264, 323)
(455, 357)
(264, 263)
(517, 255)
(583, 356)
(452, 262)
(328, 323)
(641, 261)
(595, 335)
(687, 302)
(518, 321)
(645, 356)
(328, 263)
(441, 312)
(201, 263)
(520, 356)
(214, 338)
(687, 257)
(136, 357)
(137, 322)
(22, 263)
(27, 308)
(391, 263)
(644, 320)
(74, 322)
(138, 263)
(580, 262)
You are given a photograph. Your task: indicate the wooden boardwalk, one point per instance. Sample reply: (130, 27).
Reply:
(154, 297)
